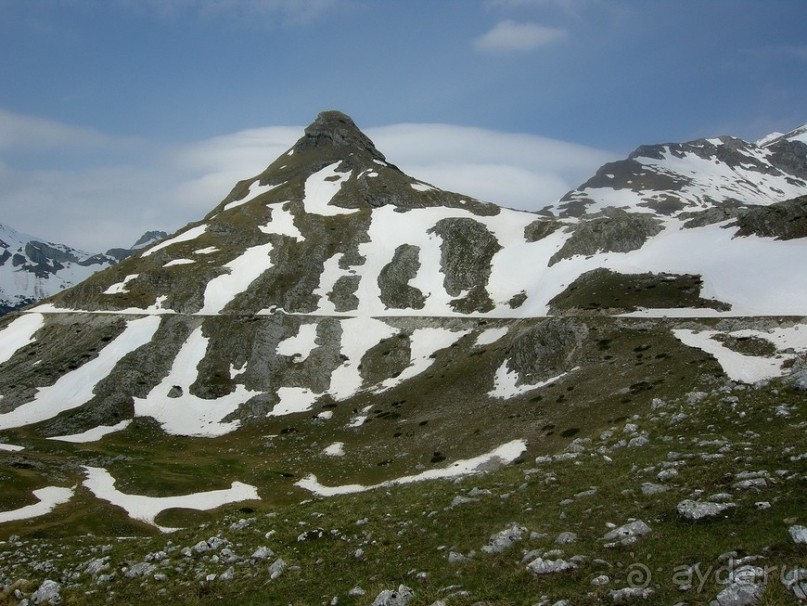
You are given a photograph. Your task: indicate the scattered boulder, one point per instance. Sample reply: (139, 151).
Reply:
(504, 539)
(745, 587)
(277, 568)
(799, 534)
(627, 534)
(401, 597)
(701, 510)
(541, 566)
(48, 593)
(627, 594)
(796, 581)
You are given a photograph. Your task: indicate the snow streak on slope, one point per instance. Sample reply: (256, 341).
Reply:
(76, 388)
(243, 270)
(506, 453)
(146, 509)
(187, 414)
(424, 343)
(186, 236)
(321, 187)
(18, 334)
(748, 368)
(94, 434)
(358, 336)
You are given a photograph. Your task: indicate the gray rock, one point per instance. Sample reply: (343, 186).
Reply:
(649, 489)
(141, 569)
(564, 538)
(96, 566)
(401, 597)
(751, 484)
(701, 510)
(262, 553)
(627, 594)
(48, 593)
(796, 581)
(745, 587)
(504, 539)
(277, 568)
(627, 534)
(799, 534)
(541, 566)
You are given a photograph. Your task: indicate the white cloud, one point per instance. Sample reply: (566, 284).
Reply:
(21, 132)
(99, 205)
(511, 36)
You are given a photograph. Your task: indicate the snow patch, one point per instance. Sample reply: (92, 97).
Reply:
(19, 333)
(746, 368)
(120, 287)
(188, 414)
(49, 498)
(243, 271)
(321, 187)
(146, 509)
(337, 449)
(94, 434)
(191, 234)
(507, 453)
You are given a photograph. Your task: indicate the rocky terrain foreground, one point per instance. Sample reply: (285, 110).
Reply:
(346, 386)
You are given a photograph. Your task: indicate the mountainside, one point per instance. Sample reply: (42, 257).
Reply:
(32, 269)
(335, 327)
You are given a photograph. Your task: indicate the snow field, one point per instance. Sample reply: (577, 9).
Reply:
(282, 222)
(76, 388)
(120, 287)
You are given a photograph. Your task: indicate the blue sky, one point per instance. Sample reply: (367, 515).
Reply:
(141, 114)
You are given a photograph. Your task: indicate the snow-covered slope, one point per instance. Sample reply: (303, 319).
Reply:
(31, 269)
(679, 179)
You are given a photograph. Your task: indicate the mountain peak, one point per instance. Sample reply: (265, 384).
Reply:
(335, 129)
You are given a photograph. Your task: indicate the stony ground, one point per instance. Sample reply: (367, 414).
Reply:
(699, 501)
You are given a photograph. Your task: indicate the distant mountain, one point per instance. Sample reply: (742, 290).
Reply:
(701, 181)
(32, 268)
(335, 326)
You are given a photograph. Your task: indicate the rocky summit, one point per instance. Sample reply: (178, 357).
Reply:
(344, 385)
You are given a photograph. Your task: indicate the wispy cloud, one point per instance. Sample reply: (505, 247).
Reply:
(784, 51)
(284, 12)
(165, 187)
(511, 36)
(21, 132)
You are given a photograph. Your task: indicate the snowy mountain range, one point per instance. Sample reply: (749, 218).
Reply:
(32, 268)
(335, 326)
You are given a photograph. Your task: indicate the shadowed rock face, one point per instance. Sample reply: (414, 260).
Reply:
(784, 220)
